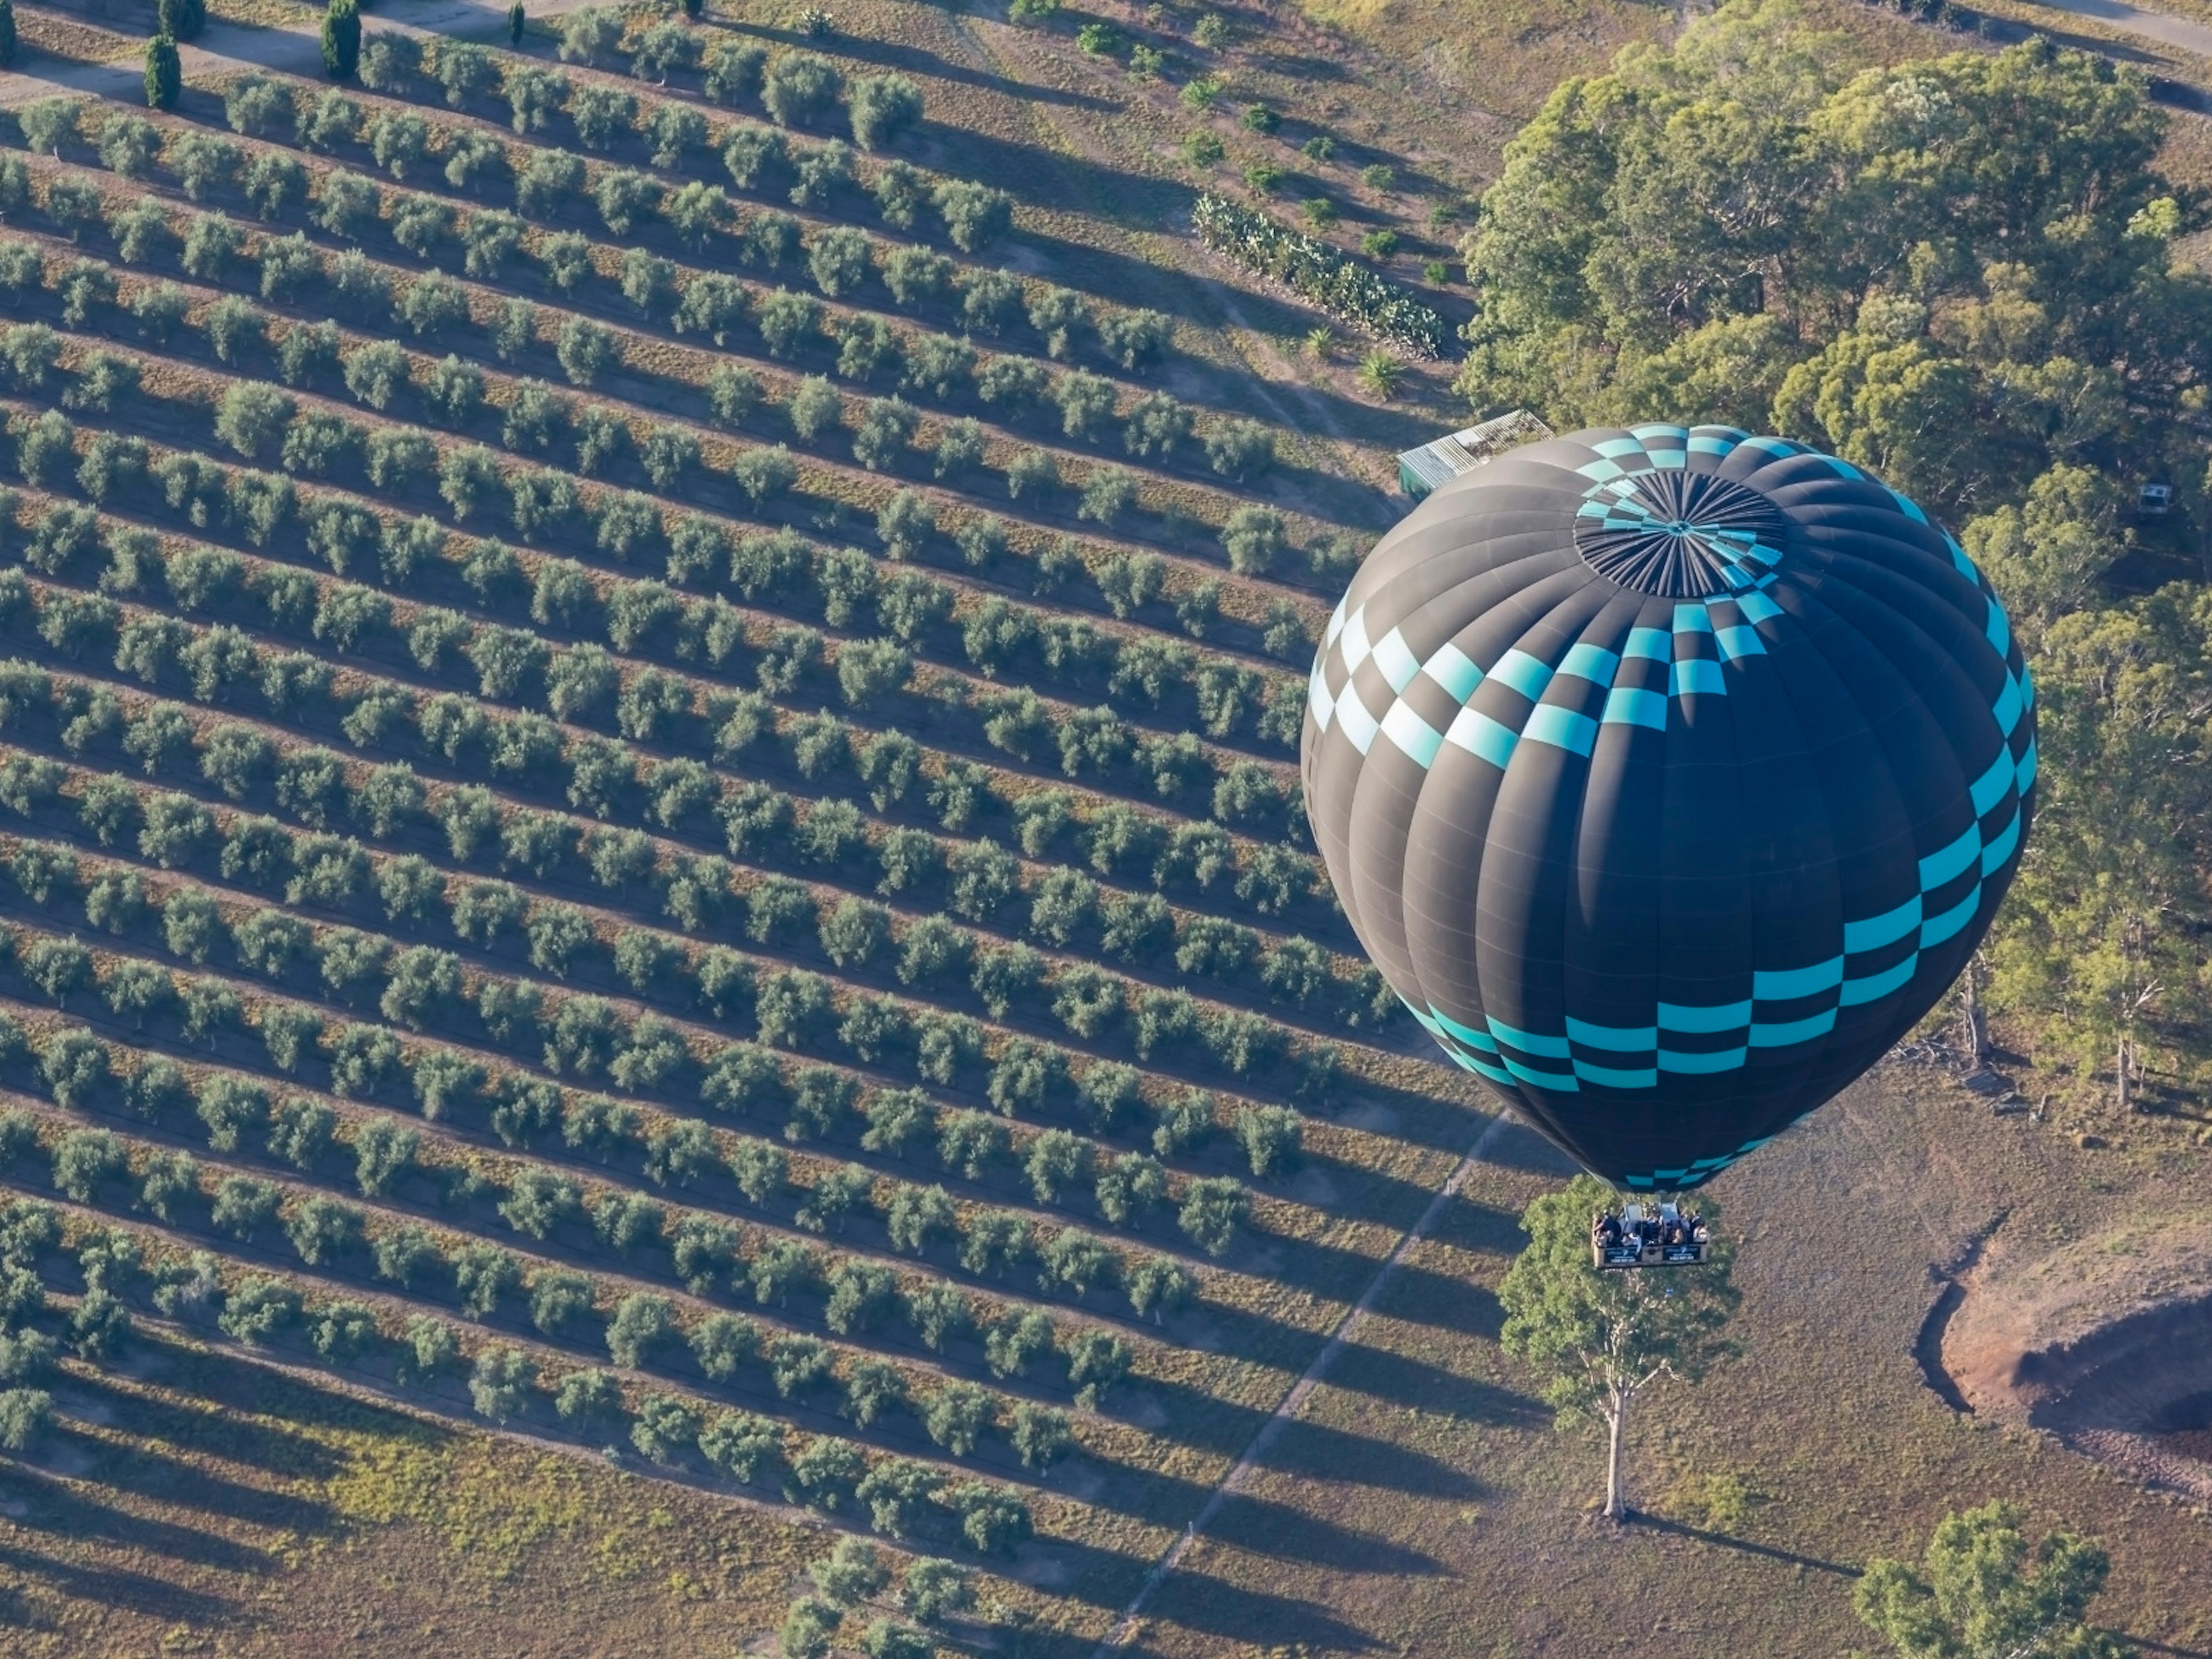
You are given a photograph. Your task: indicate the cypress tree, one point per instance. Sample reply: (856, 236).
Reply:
(165, 75)
(342, 40)
(181, 20)
(515, 18)
(6, 33)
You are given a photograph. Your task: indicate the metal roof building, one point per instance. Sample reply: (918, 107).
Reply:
(1420, 470)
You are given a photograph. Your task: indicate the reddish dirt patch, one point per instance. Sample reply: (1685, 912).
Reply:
(2103, 1344)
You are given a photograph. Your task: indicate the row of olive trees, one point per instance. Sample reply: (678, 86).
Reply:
(649, 704)
(582, 1036)
(260, 421)
(98, 1329)
(640, 1329)
(708, 304)
(902, 1499)
(533, 419)
(421, 985)
(297, 510)
(1155, 428)
(998, 638)
(549, 183)
(797, 88)
(1061, 907)
(884, 432)
(792, 1008)
(385, 1158)
(610, 779)
(930, 955)
(583, 684)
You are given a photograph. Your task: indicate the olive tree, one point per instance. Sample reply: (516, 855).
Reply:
(884, 108)
(799, 89)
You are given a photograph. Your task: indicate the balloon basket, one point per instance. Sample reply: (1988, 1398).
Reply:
(1655, 1237)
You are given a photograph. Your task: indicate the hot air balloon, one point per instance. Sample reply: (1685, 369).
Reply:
(1669, 775)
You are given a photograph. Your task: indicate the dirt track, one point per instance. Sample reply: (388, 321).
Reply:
(2161, 27)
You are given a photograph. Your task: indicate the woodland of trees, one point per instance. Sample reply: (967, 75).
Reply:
(1963, 274)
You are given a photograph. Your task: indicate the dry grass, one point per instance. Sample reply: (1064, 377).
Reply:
(1844, 1452)
(196, 1504)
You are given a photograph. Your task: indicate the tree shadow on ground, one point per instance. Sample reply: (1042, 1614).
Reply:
(918, 60)
(149, 1473)
(1404, 1381)
(2149, 1646)
(1041, 178)
(1281, 1532)
(236, 1380)
(1420, 1296)
(109, 1587)
(234, 1439)
(1742, 1546)
(1320, 1452)
(1442, 1123)
(1326, 1270)
(1480, 1230)
(65, 1510)
(1256, 1619)
(1520, 1147)
(1298, 66)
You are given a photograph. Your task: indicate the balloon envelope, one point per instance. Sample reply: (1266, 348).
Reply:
(1669, 775)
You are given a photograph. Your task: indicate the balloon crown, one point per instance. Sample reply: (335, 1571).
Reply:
(1679, 534)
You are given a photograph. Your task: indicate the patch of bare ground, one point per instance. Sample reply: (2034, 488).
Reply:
(2101, 1343)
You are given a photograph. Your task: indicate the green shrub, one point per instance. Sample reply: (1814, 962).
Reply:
(1341, 286)
(499, 1384)
(259, 1311)
(25, 1415)
(799, 89)
(974, 216)
(883, 108)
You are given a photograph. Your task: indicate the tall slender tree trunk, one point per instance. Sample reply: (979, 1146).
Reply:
(1616, 1419)
(1975, 1026)
(2123, 1056)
